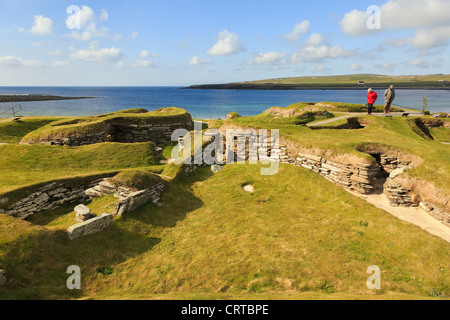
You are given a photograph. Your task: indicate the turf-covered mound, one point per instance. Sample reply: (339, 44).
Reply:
(132, 125)
(136, 179)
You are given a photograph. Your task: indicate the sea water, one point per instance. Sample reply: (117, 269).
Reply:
(202, 103)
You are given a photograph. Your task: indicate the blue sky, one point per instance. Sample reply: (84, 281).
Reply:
(205, 41)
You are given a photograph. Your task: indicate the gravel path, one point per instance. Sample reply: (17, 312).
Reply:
(415, 216)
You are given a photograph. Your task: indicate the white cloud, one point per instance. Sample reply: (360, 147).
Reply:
(227, 44)
(88, 24)
(388, 66)
(354, 67)
(56, 52)
(400, 14)
(42, 26)
(146, 54)
(9, 61)
(321, 69)
(299, 29)
(96, 55)
(315, 39)
(142, 64)
(134, 35)
(120, 65)
(420, 63)
(320, 53)
(430, 37)
(103, 15)
(59, 64)
(196, 61)
(269, 58)
(424, 38)
(354, 23)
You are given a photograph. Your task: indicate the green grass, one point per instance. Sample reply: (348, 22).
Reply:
(21, 165)
(14, 131)
(212, 240)
(441, 134)
(297, 236)
(136, 179)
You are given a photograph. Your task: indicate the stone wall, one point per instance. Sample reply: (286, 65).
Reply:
(48, 197)
(135, 200)
(399, 196)
(92, 226)
(129, 200)
(359, 177)
(435, 212)
(158, 133)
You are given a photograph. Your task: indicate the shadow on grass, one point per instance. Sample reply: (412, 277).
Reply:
(178, 199)
(47, 217)
(36, 264)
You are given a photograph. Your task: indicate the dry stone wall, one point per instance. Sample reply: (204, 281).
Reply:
(48, 197)
(360, 177)
(398, 196)
(92, 226)
(158, 133)
(135, 200)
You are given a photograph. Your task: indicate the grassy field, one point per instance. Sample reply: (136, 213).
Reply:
(13, 132)
(21, 165)
(297, 236)
(212, 240)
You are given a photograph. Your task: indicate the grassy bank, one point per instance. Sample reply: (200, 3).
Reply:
(14, 131)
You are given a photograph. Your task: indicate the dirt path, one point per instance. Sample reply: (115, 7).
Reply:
(415, 216)
(356, 114)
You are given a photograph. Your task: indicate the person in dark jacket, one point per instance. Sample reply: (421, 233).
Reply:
(389, 97)
(372, 97)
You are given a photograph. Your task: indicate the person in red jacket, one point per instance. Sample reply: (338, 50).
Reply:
(371, 99)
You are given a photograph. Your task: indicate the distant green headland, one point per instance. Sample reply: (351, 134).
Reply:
(348, 82)
(35, 97)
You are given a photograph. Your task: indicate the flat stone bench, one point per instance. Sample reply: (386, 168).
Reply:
(92, 226)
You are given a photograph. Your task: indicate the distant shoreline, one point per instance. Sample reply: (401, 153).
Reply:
(35, 97)
(296, 87)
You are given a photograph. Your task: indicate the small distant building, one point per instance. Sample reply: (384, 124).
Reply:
(443, 81)
(361, 83)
